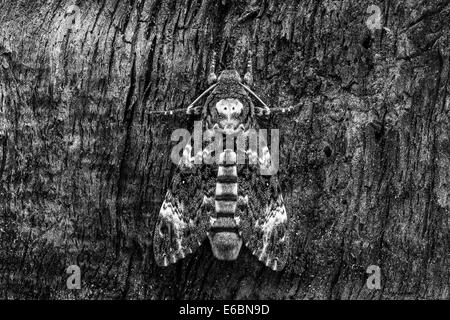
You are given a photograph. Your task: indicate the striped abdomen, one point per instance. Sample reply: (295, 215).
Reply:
(224, 233)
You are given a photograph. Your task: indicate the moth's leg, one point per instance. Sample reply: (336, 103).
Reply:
(261, 112)
(194, 110)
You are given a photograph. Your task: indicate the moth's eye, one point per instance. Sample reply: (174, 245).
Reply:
(183, 181)
(267, 183)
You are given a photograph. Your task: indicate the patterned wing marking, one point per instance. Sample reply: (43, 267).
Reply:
(264, 219)
(184, 215)
(273, 226)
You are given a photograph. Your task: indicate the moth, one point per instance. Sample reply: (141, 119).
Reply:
(229, 202)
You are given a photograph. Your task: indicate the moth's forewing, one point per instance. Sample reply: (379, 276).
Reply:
(183, 219)
(264, 220)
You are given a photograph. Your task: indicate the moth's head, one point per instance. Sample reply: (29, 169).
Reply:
(229, 76)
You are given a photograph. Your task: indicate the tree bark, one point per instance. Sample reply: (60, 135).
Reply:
(364, 164)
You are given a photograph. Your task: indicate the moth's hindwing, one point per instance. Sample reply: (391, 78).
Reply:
(264, 221)
(184, 215)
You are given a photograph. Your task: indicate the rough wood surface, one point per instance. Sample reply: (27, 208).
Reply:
(364, 167)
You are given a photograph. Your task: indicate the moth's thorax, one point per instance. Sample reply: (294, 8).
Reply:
(225, 240)
(229, 106)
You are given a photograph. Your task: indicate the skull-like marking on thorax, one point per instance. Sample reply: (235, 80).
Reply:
(229, 111)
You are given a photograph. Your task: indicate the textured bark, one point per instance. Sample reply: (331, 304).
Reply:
(364, 164)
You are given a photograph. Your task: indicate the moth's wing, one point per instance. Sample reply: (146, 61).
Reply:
(263, 217)
(184, 216)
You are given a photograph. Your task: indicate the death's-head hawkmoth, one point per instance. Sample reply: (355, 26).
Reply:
(229, 201)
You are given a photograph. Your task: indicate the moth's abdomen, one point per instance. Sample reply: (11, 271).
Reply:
(224, 233)
(226, 185)
(226, 191)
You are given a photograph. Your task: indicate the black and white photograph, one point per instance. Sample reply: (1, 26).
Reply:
(240, 151)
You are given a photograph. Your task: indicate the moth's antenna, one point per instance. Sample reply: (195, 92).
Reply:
(265, 110)
(191, 109)
(212, 78)
(248, 77)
